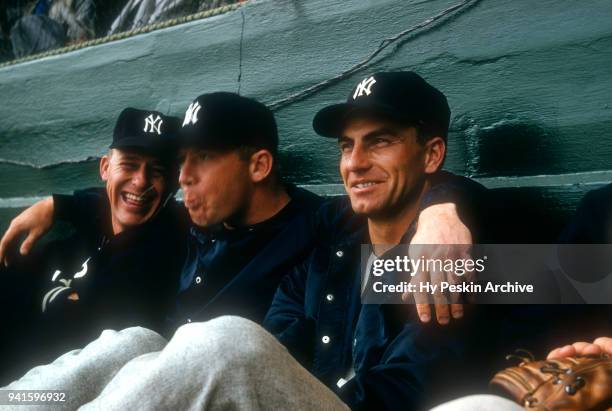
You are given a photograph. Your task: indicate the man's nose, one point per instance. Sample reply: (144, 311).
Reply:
(359, 159)
(141, 178)
(185, 175)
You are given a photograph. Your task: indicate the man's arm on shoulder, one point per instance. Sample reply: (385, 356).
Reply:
(79, 209)
(459, 201)
(33, 222)
(453, 212)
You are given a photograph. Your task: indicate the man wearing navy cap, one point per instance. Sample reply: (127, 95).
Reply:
(142, 177)
(392, 135)
(248, 226)
(122, 266)
(248, 230)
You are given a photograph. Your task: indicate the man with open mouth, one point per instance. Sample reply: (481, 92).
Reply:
(121, 267)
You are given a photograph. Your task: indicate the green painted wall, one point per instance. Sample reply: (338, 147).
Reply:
(528, 82)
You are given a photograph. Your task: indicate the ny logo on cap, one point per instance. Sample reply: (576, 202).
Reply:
(364, 87)
(153, 124)
(191, 116)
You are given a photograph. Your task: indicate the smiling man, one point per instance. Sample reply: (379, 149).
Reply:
(392, 139)
(139, 173)
(133, 199)
(136, 169)
(391, 175)
(122, 266)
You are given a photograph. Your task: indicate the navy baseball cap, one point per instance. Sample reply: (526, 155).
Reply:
(402, 96)
(223, 120)
(146, 131)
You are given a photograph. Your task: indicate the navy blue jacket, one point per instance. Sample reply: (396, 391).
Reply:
(236, 271)
(223, 271)
(131, 277)
(317, 314)
(398, 362)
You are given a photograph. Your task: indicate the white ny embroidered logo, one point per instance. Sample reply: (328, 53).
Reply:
(364, 87)
(191, 116)
(153, 124)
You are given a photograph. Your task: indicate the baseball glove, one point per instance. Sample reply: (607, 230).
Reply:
(574, 383)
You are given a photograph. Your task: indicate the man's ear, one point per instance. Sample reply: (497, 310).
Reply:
(260, 165)
(435, 150)
(104, 165)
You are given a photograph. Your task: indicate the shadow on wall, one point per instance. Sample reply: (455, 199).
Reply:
(510, 148)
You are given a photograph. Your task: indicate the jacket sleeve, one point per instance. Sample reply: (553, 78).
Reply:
(286, 319)
(86, 210)
(472, 199)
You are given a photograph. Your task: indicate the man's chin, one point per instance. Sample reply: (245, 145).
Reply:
(135, 222)
(199, 220)
(133, 219)
(365, 209)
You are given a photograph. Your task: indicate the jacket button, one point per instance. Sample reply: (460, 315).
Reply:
(329, 297)
(198, 279)
(325, 339)
(340, 253)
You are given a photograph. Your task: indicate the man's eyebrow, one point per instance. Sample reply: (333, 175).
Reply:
(130, 157)
(383, 131)
(194, 151)
(157, 163)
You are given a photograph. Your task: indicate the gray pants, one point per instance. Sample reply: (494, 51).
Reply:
(227, 363)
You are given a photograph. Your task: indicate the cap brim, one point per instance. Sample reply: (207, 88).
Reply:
(153, 147)
(330, 121)
(188, 138)
(193, 137)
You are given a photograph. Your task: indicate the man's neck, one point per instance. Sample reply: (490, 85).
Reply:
(117, 229)
(265, 203)
(387, 231)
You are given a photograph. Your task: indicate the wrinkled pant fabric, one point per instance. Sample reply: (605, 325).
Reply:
(225, 363)
(84, 373)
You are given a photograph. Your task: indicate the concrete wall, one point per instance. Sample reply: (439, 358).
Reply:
(528, 83)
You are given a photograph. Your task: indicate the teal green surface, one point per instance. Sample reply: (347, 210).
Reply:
(528, 83)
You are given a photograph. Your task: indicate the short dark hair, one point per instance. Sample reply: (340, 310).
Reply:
(245, 152)
(425, 133)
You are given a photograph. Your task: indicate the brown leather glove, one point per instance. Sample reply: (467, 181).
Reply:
(574, 383)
